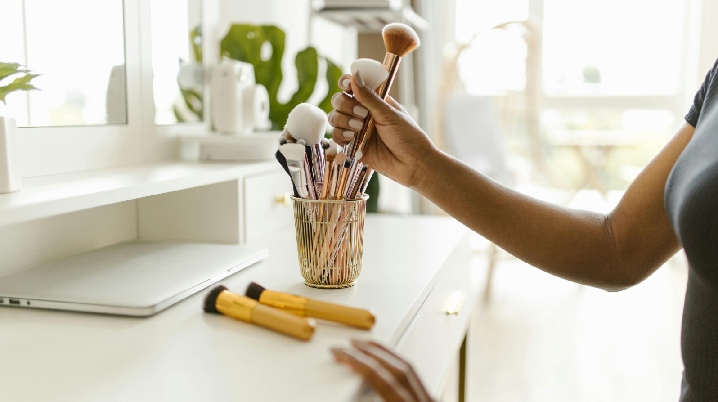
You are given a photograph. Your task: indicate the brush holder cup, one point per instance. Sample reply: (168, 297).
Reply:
(330, 240)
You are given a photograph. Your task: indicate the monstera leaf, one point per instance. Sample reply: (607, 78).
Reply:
(21, 82)
(244, 42)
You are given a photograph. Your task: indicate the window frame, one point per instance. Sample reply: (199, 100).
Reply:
(46, 151)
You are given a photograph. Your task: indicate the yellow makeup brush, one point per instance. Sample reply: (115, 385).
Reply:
(306, 307)
(221, 301)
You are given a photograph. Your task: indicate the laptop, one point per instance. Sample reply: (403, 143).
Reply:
(133, 278)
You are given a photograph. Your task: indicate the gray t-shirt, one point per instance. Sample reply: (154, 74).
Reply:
(691, 201)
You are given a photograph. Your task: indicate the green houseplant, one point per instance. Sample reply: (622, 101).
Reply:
(244, 42)
(13, 77)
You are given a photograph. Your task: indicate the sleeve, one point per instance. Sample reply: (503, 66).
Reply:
(695, 111)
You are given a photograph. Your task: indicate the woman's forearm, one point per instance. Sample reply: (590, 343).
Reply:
(572, 244)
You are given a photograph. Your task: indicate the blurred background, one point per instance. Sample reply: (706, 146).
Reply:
(565, 100)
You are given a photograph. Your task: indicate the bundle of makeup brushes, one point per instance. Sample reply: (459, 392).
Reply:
(320, 169)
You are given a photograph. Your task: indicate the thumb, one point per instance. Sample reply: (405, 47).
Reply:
(379, 109)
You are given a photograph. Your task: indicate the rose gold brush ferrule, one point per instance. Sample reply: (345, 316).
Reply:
(311, 189)
(328, 179)
(355, 181)
(315, 159)
(356, 188)
(365, 183)
(343, 180)
(391, 62)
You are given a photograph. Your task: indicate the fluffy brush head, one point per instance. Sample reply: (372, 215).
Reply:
(307, 122)
(372, 72)
(332, 149)
(400, 39)
(254, 290)
(293, 152)
(210, 301)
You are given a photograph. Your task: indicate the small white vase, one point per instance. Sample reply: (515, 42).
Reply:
(9, 170)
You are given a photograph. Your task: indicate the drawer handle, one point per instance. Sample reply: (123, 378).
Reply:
(283, 199)
(454, 302)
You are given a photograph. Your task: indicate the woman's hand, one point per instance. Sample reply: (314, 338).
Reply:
(400, 149)
(392, 377)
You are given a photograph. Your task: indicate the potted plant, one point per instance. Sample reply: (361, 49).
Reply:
(13, 77)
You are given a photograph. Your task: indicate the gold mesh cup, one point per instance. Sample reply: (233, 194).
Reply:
(330, 240)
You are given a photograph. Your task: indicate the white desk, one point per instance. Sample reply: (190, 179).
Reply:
(411, 264)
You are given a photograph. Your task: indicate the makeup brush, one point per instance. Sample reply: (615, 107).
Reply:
(338, 166)
(329, 154)
(283, 161)
(306, 307)
(374, 75)
(295, 155)
(399, 40)
(221, 301)
(355, 190)
(308, 123)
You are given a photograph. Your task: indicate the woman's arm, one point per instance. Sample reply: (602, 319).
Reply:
(613, 251)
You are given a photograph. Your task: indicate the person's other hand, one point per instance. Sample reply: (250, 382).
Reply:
(392, 377)
(401, 146)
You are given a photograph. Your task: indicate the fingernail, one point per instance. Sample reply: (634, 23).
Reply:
(359, 80)
(360, 111)
(348, 134)
(346, 83)
(335, 99)
(356, 123)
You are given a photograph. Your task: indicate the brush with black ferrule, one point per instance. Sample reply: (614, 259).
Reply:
(222, 301)
(283, 161)
(345, 173)
(305, 307)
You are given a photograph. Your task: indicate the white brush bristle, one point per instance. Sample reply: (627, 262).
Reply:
(307, 122)
(372, 72)
(293, 152)
(333, 148)
(400, 39)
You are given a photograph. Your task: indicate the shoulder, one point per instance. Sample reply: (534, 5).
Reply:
(705, 96)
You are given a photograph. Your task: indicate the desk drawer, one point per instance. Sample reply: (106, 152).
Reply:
(267, 205)
(433, 326)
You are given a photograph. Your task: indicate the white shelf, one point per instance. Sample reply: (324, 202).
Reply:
(46, 196)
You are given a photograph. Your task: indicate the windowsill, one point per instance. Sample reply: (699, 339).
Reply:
(46, 196)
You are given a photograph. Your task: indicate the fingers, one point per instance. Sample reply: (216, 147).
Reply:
(345, 83)
(348, 105)
(347, 118)
(342, 136)
(380, 379)
(379, 109)
(402, 371)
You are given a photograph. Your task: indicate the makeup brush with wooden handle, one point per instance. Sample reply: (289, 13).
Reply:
(306, 307)
(221, 301)
(399, 40)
